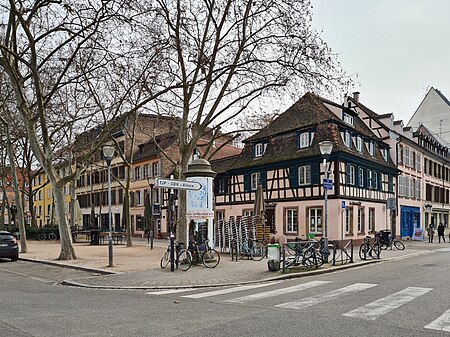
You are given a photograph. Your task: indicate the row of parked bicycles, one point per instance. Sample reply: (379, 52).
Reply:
(372, 246)
(203, 254)
(307, 253)
(194, 254)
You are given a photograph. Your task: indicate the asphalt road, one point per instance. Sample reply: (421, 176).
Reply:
(399, 298)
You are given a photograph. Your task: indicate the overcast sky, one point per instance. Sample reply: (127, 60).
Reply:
(398, 48)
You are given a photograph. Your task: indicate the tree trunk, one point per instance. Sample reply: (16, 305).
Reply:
(126, 207)
(67, 250)
(22, 230)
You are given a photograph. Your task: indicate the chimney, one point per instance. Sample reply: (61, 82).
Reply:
(356, 96)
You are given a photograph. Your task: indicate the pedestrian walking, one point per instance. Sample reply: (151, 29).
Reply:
(430, 233)
(441, 232)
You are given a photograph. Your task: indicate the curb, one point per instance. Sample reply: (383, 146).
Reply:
(75, 283)
(331, 269)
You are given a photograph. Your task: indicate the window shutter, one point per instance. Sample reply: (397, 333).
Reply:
(380, 181)
(263, 179)
(247, 182)
(357, 176)
(293, 176)
(367, 178)
(400, 154)
(347, 174)
(315, 173)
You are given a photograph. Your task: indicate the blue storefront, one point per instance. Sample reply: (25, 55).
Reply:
(409, 219)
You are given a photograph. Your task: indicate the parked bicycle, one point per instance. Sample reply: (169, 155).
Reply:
(303, 253)
(204, 253)
(253, 249)
(370, 248)
(47, 236)
(391, 241)
(183, 257)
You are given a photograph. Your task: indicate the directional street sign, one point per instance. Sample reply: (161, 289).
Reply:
(177, 184)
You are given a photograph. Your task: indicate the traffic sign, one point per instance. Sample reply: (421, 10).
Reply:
(343, 204)
(177, 184)
(328, 184)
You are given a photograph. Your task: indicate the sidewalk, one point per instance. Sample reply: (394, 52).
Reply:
(138, 267)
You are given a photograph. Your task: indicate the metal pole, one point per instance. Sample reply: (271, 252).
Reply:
(151, 229)
(325, 227)
(110, 243)
(171, 214)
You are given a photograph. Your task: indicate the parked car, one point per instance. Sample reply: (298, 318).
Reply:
(8, 246)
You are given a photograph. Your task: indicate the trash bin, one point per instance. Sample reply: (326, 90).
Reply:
(273, 256)
(95, 238)
(384, 234)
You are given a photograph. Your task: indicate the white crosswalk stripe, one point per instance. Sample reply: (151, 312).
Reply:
(310, 301)
(384, 305)
(442, 323)
(277, 292)
(230, 290)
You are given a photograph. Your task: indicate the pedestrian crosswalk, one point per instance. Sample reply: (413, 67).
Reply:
(371, 311)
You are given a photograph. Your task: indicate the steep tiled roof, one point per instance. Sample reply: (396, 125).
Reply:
(309, 113)
(151, 149)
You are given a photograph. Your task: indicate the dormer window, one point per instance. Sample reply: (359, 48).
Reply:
(304, 140)
(359, 144)
(385, 154)
(348, 118)
(348, 139)
(259, 150)
(371, 148)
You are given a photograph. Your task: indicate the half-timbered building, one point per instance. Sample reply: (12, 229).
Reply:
(285, 158)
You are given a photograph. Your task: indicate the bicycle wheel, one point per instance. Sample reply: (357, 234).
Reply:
(258, 251)
(319, 257)
(211, 258)
(363, 251)
(310, 260)
(399, 245)
(375, 250)
(52, 236)
(289, 262)
(384, 245)
(184, 260)
(165, 260)
(41, 236)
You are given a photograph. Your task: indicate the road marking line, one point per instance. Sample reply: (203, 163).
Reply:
(441, 324)
(170, 291)
(276, 292)
(384, 305)
(230, 290)
(310, 301)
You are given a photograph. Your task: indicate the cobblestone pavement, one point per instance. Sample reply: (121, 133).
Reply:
(228, 272)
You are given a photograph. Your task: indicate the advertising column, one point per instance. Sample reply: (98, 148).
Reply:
(199, 206)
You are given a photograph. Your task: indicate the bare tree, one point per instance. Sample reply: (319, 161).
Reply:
(50, 47)
(230, 55)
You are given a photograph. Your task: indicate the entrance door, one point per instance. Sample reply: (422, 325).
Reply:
(409, 219)
(270, 219)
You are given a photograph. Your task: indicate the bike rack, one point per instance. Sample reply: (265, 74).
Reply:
(340, 249)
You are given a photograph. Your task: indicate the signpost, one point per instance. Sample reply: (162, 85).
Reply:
(174, 184)
(178, 184)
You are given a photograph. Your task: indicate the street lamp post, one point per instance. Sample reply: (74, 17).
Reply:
(151, 232)
(325, 149)
(108, 153)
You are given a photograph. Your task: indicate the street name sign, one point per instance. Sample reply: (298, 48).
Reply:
(177, 184)
(328, 184)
